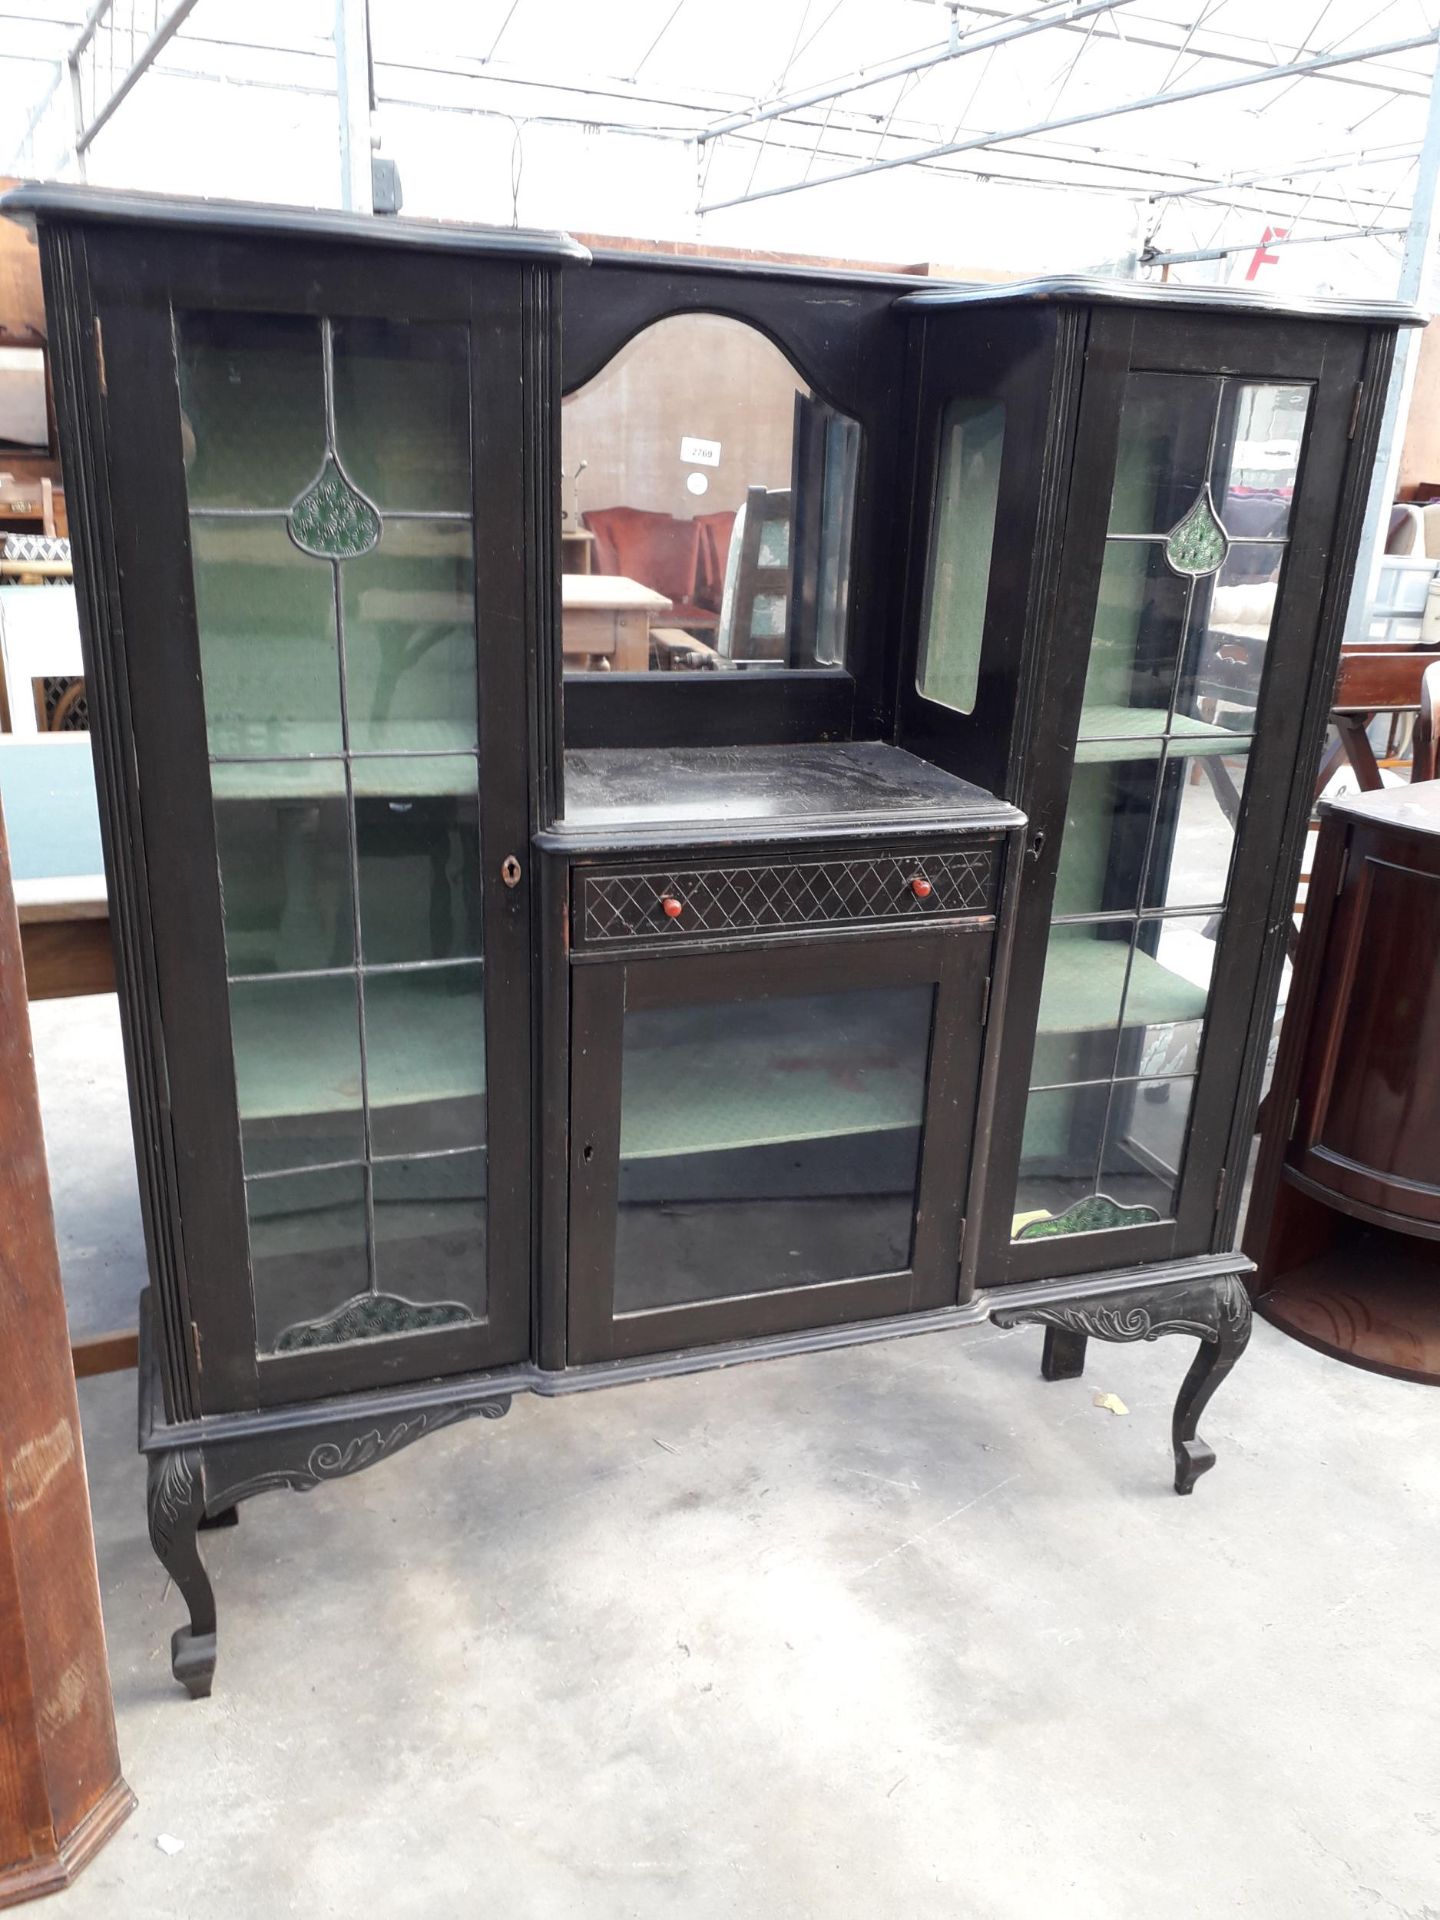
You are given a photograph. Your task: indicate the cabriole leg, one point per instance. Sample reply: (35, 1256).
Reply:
(176, 1499)
(1217, 1355)
(1214, 1311)
(1064, 1355)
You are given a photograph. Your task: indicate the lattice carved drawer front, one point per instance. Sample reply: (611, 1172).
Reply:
(630, 906)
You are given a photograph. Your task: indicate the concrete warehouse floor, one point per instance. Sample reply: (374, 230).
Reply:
(894, 1630)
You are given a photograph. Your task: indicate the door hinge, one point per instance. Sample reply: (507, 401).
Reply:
(1220, 1180)
(100, 357)
(1355, 399)
(195, 1343)
(985, 1001)
(960, 1246)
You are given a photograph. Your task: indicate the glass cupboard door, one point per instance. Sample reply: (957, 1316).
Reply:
(1198, 529)
(322, 525)
(328, 476)
(768, 1141)
(1173, 696)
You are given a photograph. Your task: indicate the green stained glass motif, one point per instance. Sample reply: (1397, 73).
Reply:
(372, 1316)
(332, 519)
(1199, 544)
(1093, 1215)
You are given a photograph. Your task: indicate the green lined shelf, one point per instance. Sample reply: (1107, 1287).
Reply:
(700, 1080)
(1084, 980)
(439, 758)
(425, 1035)
(764, 1096)
(1140, 733)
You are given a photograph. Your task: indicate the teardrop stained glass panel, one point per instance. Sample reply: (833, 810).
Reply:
(1199, 544)
(332, 520)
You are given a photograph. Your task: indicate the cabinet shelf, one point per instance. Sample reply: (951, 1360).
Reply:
(1084, 980)
(288, 1064)
(1139, 733)
(765, 1093)
(1370, 1298)
(435, 757)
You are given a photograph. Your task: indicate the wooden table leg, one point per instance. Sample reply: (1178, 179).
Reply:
(1358, 750)
(61, 1791)
(632, 643)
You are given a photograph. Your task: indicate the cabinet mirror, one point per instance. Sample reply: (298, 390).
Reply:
(707, 504)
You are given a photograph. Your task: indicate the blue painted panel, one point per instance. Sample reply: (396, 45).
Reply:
(52, 818)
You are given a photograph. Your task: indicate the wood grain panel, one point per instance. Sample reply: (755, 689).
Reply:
(61, 1791)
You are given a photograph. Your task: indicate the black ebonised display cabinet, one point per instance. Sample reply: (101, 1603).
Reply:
(848, 901)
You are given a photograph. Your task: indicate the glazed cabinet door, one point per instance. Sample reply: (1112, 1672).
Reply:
(767, 1141)
(319, 523)
(1177, 720)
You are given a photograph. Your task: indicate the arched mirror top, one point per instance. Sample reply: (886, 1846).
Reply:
(707, 507)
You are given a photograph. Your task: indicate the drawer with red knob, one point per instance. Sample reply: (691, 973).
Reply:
(633, 906)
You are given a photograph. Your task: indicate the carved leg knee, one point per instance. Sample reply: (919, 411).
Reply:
(176, 1501)
(1064, 1355)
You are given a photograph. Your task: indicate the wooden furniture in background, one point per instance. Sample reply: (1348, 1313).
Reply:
(47, 786)
(1344, 1220)
(660, 551)
(577, 550)
(606, 618)
(1425, 741)
(61, 1791)
(36, 505)
(754, 614)
(65, 934)
(1371, 680)
(47, 783)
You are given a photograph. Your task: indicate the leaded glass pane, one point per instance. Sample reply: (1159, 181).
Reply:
(409, 612)
(337, 642)
(284, 867)
(402, 413)
(425, 1058)
(252, 401)
(1194, 837)
(1167, 433)
(296, 1045)
(1108, 816)
(430, 1222)
(417, 847)
(1140, 623)
(1257, 458)
(268, 657)
(307, 1251)
(1102, 1156)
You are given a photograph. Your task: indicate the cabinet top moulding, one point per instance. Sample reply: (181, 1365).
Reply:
(1093, 289)
(246, 217)
(58, 201)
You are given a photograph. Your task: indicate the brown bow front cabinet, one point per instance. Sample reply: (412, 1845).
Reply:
(661, 811)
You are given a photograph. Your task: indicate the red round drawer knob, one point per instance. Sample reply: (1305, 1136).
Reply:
(921, 887)
(671, 907)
